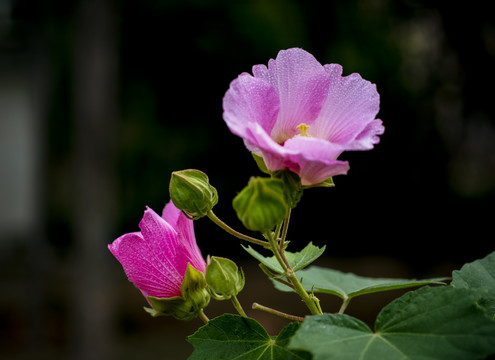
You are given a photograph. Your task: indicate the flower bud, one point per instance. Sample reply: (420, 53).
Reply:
(192, 193)
(293, 189)
(175, 306)
(195, 297)
(261, 204)
(224, 278)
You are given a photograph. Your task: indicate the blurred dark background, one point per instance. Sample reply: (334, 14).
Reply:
(101, 100)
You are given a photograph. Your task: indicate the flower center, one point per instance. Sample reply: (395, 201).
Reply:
(303, 128)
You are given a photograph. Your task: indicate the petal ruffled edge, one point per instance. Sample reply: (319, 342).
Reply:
(250, 100)
(348, 114)
(368, 138)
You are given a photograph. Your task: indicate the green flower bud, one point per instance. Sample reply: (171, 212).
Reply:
(261, 205)
(175, 306)
(194, 288)
(195, 297)
(192, 193)
(293, 190)
(224, 278)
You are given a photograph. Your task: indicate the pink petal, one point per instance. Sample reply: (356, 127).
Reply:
(348, 112)
(274, 154)
(250, 100)
(339, 112)
(142, 264)
(302, 85)
(188, 248)
(368, 137)
(155, 259)
(171, 214)
(159, 234)
(315, 159)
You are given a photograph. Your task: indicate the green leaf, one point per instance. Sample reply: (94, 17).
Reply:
(297, 260)
(232, 337)
(479, 275)
(347, 285)
(428, 324)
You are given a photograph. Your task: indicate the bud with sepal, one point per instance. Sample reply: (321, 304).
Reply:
(293, 190)
(223, 277)
(192, 193)
(195, 297)
(261, 204)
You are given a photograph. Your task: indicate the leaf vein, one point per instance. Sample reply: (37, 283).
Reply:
(392, 346)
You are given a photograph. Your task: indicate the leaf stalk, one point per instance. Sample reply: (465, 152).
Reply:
(233, 232)
(269, 310)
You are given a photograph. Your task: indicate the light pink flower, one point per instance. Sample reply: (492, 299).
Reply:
(300, 115)
(156, 258)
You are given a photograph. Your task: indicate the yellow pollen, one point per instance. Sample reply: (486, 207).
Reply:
(303, 128)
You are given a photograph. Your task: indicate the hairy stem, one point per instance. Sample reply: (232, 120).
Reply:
(276, 251)
(285, 229)
(257, 306)
(299, 289)
(233, 232)
(291, 276)
(275, 276)
(278, 229)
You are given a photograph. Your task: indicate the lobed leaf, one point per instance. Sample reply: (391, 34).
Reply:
(297, 261)
(480, 276)
(232, 337)
(347, 285)
(429, 323)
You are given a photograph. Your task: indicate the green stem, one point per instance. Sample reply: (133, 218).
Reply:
(233, 232)
(276, 251)
(238, 306)
(344, 305)
(203, 317)
(285, 229)
(274, 276)
(291, 276)
(299, 289)
(257, 306)
(277, 230)
(285, 282)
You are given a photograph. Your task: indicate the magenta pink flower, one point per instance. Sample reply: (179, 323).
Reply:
(300, 115)
(156, 258)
